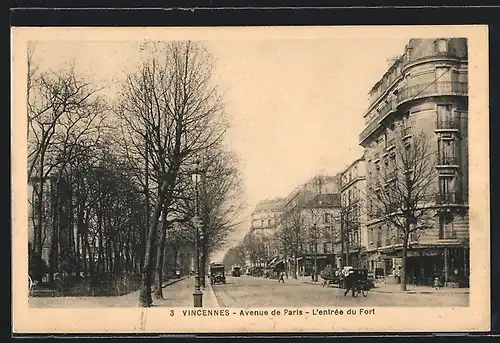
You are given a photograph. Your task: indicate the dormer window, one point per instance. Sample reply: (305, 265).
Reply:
(408, 53)
(441, 46)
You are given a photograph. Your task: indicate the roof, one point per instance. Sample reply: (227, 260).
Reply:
(325, 200)
(269, 205)
(356, 161)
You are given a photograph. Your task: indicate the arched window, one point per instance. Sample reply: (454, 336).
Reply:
(441, 46)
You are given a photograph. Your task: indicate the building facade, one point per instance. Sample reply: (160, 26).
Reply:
(424, 90)
(353, 215)
(318, 202)
(264, 223)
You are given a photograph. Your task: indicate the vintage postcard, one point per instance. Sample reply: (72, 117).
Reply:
(250, 179)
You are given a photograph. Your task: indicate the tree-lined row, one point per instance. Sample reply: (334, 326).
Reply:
(123, 194)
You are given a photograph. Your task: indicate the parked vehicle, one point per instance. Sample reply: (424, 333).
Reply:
(236, 271)
(217, 274)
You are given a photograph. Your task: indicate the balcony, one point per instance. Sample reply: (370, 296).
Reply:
(449, 198)
(390, 176)
(406, 132)
(439, 88)
(447, 126)
(390, 145)
(447, 162)
(392, 207)
(432, 89)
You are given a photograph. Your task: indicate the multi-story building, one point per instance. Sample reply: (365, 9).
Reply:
(424, 90)
(264, 223)
(318, 201)
(353, 214)
(321, 241)
(266, 216)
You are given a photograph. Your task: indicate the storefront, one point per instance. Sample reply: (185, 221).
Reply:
(450, 264)
(322, 260)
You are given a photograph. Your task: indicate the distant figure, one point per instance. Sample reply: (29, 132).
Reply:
(282, 277)
(350, 282)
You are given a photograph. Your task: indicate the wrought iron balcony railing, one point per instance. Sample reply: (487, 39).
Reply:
(447, 161)
(416, 92)
(432, 89)
(447, 125)
(391, 176)
(406, 131)
(449, 198)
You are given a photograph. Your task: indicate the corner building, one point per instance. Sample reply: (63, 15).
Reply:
(425, 89)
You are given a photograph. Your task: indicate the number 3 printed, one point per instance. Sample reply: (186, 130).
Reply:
(171, 313)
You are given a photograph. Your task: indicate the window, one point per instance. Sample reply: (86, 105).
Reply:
(328, 218)
(269, 222)
(444, 113)
(442, 74)
(446, 148)
(262, 222)
(379, 237)
(328, 233)
(441, 46)
(326, 247)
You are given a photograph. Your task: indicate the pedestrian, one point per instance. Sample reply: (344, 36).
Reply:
(350, 282)
(282, 277)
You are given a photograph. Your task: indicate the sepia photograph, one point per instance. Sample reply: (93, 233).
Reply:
(250, 179)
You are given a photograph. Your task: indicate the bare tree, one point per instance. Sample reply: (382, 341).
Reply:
(292, 234)
(404, 190)
(350, 222)
(63, 109)
(220, 200)
(170, 105)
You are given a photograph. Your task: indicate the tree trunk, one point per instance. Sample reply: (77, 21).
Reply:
(100, 253)
(315, 261)
(54, 202)
(203, 262)
(71, 229)
(117, 256)
(342, 236)
(403, 261)
(295, 276)
(158, 293)
(84, 255)
(145, 294)
(37, 246)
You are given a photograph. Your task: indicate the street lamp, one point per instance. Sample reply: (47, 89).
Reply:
(315, 252)
(197, 294)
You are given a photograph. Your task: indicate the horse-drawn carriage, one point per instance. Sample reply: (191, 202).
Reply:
(337, 277)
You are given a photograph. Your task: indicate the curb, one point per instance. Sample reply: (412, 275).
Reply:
(375, 290)
(418, 292)
(213, 296)
(168, 283)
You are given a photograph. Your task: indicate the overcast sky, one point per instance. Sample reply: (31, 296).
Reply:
(295, 106)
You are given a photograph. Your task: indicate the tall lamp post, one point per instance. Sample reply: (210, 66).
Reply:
(315, 237)
(197, 294)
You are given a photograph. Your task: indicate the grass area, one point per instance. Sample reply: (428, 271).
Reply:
(108, 285)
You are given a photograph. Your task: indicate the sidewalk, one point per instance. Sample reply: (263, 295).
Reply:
(127, 300)
(381, 287)
(393, 288)
(181, 295)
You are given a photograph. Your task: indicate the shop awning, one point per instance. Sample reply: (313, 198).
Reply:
(374, 257)
(379, 256)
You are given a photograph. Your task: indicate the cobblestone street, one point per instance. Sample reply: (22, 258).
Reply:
(248, 291)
